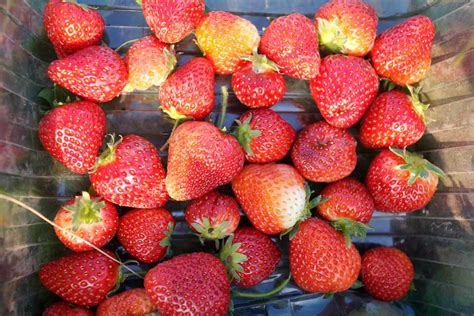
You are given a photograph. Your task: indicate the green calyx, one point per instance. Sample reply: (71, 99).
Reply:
(244, 134)
(232, 259)
(205, 231)
(357, 285)
(170, 56)
(175, 115)
(260, 63)
(419, 107)
(85, 210)
(330, 36)
(349, 228)
(108, 155)
(166, 242)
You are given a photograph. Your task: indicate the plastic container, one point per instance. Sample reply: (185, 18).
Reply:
(439, 239)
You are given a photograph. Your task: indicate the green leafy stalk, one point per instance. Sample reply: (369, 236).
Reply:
(349, 228)
(274, 291)
(245, 134)
(225, 96)
(85, 210)
(232, 258)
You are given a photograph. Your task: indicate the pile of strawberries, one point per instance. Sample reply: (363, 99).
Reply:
(276, 197)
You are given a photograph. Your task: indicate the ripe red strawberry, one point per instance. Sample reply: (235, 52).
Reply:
(401, 181)
(265, 135)
(134, 302)
(347, 27)
(146, 233)
(149, 63)
(189, 92)
(95, 73)
(394, 119)
(194, 284)
(81, 278)
(344, 89)
(292, 43)
(323, 153)
(320, 261)
(224, 37)
(73, 134)
(94, 220)
(172, 20)
(130, 173)
(71, 26)
(64, 309)
(250, 256)
(403, 53)
(387, 273)
(201, 158)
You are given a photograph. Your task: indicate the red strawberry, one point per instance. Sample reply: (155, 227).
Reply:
(250, 256)
(265, 135)
(73, 134)
(347, 27)
(94, 220)
(344, 89)
(403, 53)
(224, 37)
(320, 261)
(394, 119)
(400, 181)
(71, 26)
(146, 233)
(64, 309)
(189, 92)
(134, 302)
(172, 20)
(323, 153)
(194, 284)
(130, 173)
(292, 43)
(387, 273)
(96, 73)
(81, 278)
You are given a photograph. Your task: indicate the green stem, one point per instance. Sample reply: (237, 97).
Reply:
(269, 293)
(125, 44)
(225, 96)
(175, 125)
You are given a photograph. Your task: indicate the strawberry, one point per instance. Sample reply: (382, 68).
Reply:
(265, 135)
(73, 134)
(194, 284)
(95, 73)
(258, 84)
(323, 153)
(149, 63)
(189, 92)
(92, 219)
(347, 27)
(401, 181)
(320, 261)
(172, 20)
(130, 173)
(146, 233)
(403, 52)
(64, 309)
(394, 119)
(292, 43)
(344, 89)
(81, 278)
(250, 256)
(387, 273)
(71, 26)
(134, 302)
(224, 37)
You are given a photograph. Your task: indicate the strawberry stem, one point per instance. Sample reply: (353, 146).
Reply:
(126, 44)
(260, 63)
(244, 134)
(419, 107)
(277, 289)
(231, 258)
(85, 210)
(349, 228)
(225, 96)
(175, 125)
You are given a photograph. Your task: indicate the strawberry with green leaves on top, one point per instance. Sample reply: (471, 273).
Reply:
(64, 309)
(134, 302)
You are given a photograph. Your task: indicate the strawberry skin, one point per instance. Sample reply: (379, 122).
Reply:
(387, 273)
(344, 89)
(73, 134)
(95, 73)
(134, 302)
(64, 309)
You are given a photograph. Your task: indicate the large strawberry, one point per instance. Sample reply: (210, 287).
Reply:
(130, 173)
(194, 284)
(224, 38)
(401, 181)
(403, 52)
(134, 302)
(344, 89)
(96, 73)
(323, 153)
(64, 309)
(71, 26)
(292, 43)
(73, 134)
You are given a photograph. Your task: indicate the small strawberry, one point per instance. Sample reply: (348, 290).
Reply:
(194, 284)
(224, 37)
(387, 273)
(73, 134)
(401, 181)
(96, 73)
(64, 309)
(130, 173)
(344, 89)
(134, 302)
(403, 52)
(264, 135)
(323, 153)
(292, 43)
(72, 26)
